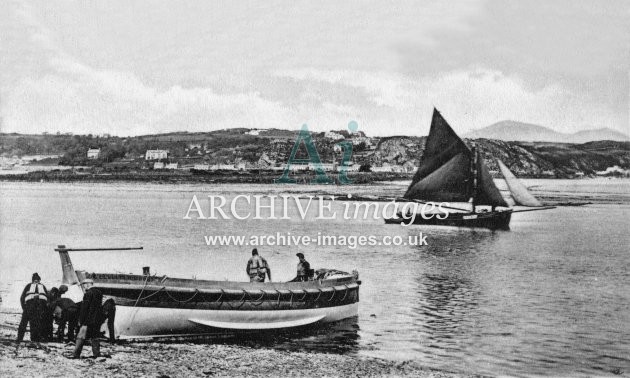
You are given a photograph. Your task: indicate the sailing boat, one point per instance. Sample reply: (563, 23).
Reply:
(450, 171)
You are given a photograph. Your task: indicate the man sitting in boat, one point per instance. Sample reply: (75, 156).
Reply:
(257, 268)
(304, 271)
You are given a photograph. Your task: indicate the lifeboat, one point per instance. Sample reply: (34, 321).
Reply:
(153, 306)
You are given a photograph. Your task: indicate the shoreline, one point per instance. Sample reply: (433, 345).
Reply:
(184, 359)
(548, 197)
(70, 174)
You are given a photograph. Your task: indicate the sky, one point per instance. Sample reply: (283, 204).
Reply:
(139, 67)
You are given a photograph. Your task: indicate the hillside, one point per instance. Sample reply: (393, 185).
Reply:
(527, 132)
(267, 148)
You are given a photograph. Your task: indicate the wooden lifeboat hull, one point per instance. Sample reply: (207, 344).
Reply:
(161, 306)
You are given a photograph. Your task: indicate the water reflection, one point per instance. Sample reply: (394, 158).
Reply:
(449, 290)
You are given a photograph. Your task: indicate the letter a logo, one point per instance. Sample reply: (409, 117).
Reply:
(313, 159)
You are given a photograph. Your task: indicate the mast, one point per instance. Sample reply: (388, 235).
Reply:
(474, 175)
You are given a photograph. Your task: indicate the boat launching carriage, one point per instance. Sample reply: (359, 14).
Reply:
(451, 171)
(148, 305)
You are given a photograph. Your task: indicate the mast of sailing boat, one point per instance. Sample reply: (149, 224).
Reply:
(473, 171)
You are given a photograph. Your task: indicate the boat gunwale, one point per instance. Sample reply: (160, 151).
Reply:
(182, 284)
(258, 291)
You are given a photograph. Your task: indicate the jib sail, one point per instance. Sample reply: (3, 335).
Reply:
(519, 193)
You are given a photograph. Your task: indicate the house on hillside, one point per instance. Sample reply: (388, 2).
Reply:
(94, 153)
(333, 135)
(156, 154)
(192, 146)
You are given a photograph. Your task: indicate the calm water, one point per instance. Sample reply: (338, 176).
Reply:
(550, 297)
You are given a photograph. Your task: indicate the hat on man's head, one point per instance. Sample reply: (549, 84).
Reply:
(300, 255)
(254, 252)
(63, 289)
(36, 277)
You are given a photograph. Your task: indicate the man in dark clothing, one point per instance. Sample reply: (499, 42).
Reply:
(109, 314)
(48, 318)
(66, 312)
(303, 269)
(34, 305)
(90, 319)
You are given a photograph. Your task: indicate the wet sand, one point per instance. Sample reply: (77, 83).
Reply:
(185, 359)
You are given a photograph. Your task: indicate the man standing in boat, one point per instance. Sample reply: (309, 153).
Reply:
(257, 268)
(303, 268)
(34, 301)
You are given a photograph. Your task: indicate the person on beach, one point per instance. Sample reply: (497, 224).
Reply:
(90, 319)
(66, 312)
(62, 290)
(34, 300)
(257, 268)
(48, 317)
(303, 269)
(109, 314)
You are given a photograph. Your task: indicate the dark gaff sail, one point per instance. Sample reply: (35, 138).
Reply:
(487, 192)
(445, 172)
(449, 183)
(446, 160)
(519, 193)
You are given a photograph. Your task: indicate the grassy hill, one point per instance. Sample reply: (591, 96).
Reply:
(525, 159)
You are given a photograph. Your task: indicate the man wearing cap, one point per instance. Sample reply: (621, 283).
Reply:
(34, 301)
(303, 268)
(257, 268)
(89, 319)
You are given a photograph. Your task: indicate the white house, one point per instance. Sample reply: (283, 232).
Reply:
(333, 135)
(93, 153)
(158, 165)
(192, 146)
(227, 167)
(171, 166)
(156, 154)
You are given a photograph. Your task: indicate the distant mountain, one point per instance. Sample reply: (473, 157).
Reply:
(527, 132)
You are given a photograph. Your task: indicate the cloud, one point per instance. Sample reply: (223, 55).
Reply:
(288, 75)
(80, 99)
(397, 103)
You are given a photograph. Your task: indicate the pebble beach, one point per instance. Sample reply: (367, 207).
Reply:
(182, 359)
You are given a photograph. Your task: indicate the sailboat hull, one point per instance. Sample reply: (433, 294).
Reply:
(495, 220)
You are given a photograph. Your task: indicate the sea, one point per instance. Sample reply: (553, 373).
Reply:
(549, 297)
